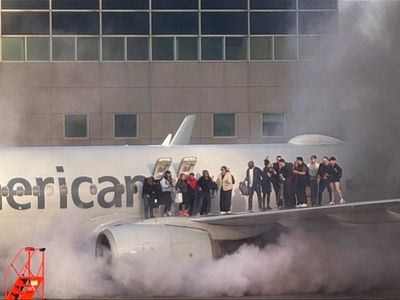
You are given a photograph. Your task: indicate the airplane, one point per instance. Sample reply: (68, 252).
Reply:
(98, 189)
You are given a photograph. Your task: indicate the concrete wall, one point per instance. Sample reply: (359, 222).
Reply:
(35, 96)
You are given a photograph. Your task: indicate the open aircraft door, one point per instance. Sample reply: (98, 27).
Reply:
(162, 165)
(187, 165)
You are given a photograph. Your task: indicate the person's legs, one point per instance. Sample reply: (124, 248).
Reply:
(268, 200)
(228, 200)
(314, 191)
(278, 190)
(250, 199)
(333, 192)
(337, 187)
(260, 203)
(146, 206)
(207, 200)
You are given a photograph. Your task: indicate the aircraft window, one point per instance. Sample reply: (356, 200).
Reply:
(88, 48)
(49, 189)
(36, 190)
(273, 124)
(93, 189)
(4, 191)
(63, 48)
(63, 190)
(13, 48)
(285, 47)
(261, 48)
(224, 125)
(38, 48)
(113, 48)
(19, 191)
(137, 48)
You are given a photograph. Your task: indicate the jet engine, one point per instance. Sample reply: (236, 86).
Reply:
(172, 241)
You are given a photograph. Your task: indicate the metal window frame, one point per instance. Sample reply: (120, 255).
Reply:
(137, 127)
(262, 124)
(236, 125)
(87, 115)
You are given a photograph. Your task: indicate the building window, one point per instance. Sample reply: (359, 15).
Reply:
(261, 48)
(212, 48)
(310, 47)
(113, 48)
(125, 126)
(63, 49)
(88, 48)
(38, 48)
(75, 126)
(13, 48)
(224, 125)
(163, 48)
(273, 124)
(236, 48)
(137, 48)
(25, 23)
(285, 48)
(187, 48)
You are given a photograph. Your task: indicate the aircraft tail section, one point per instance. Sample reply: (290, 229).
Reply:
(183, 134)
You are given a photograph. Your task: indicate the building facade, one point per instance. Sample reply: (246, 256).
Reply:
(96, 72)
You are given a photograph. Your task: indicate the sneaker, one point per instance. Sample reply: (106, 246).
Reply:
(223, 213)
(269, 207)
(169, 214)
(332, 203)
(165, 215)
(304, 205)
(342, 201)
(298, 205)
(228, 212)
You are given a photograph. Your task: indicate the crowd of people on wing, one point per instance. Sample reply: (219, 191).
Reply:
(289, 181)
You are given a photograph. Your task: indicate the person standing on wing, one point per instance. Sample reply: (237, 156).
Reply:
(335, 174)
(225, 182)
(254, 179)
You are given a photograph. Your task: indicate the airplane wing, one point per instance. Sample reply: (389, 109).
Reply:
(368, 212)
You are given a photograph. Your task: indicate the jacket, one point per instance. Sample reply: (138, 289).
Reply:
(335, 172)
(257, 176)
(226, 182)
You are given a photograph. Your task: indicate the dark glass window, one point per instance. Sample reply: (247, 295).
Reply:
(187, 48)
(261, 48)
(236, 48)
(273, 23)
(113, 48)
(224, 125)
(75, 23)
(126, 23)
(273, 124)
(318, 22)
(318, 4)
(125, 4)
(38, 48)
(137, 48)
(88, 48)
(13, 48)
(24, 4)
(174, 4)
(273, 4)
(224, 4)
(63, 48)
(75, 4)
(212, 48)
(224, 23)
(163, 48)
(76, 126)
(125, 126)
(25, 23)
(175, 23)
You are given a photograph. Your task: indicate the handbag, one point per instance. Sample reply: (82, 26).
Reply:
(244, 189)
(178, 198)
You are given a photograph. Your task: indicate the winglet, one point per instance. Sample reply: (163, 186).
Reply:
(184, 132)
(167, 140)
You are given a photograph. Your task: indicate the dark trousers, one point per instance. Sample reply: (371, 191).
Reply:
(266, 191)
(314, 191)
(205, 200)
(191, 202)
(148, 204)
(324, 184)
(185, 203)
(225, 200)
(257, 189)
(166, 199)
(278, 193)
(288, 195)
(301, 195)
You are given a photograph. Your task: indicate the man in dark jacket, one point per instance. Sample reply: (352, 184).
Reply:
(277, 182)
(149, 195)
(287, 176)
(324, 181)
(254, 179)
(266, 183)
(301, 179)
(205, 185)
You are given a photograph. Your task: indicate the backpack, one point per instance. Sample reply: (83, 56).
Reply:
(244, 189)
(233, 179)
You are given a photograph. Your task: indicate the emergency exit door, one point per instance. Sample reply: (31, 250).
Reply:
(162, 165)
(187, 165)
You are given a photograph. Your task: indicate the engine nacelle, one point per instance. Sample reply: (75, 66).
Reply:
(172, 241)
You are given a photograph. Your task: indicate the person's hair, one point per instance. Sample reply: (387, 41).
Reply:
(266, 162)
(206, 172)
(332, 158)
(224, 168)
(279, 156)
(299, 158)
(182, 174)
(191, 174)
(282, 160)
(326, 157)
(166, 173)
(313, 156)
